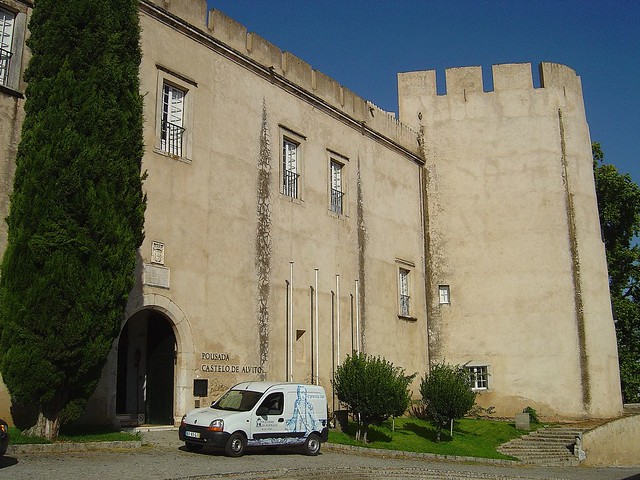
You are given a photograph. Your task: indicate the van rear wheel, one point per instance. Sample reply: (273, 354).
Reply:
(311, 445)
(235, 445)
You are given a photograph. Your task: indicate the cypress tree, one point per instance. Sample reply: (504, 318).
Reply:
(77, 207)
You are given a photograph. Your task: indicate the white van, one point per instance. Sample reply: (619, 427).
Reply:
(254, 414)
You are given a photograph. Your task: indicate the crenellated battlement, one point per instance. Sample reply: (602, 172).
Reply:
(290, 67)
(508, 76)
(294, 73)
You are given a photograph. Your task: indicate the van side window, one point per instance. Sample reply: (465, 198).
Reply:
(274, 403)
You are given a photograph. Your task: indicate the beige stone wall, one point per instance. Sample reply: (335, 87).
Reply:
(506, 193)
(513, 229)
(204, 208)
(614, 443)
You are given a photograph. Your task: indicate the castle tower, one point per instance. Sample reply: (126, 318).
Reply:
(517, 278)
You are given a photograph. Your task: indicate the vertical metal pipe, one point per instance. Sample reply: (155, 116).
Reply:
(357, 318)
(317, 352)
(290, 346)
(338, 316)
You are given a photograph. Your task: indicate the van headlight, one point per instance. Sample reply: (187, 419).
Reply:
(216, 426)
(183, 422)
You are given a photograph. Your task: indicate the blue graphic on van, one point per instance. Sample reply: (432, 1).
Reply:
(304, 418)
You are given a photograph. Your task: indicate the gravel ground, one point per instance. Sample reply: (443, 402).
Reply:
(162, 456)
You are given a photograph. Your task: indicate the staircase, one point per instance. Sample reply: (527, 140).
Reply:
(547, 446)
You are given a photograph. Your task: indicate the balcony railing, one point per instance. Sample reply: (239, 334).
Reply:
(290, 183)
(5, 57)
(336, 201)
(404, 305)
(172, 138)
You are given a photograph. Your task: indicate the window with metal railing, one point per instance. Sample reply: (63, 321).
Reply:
(403, 280)
(172, 130)
(7, 20)
(336, 187)
(290, 183)
(336, 201)
(290, 175)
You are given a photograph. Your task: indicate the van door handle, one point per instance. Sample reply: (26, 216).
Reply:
(280, 420)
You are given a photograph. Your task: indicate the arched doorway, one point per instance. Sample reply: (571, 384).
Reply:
(146, 369)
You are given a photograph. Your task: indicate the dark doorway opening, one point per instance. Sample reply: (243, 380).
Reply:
(146, 370)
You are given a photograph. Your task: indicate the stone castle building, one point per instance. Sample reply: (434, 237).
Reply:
(290, 223)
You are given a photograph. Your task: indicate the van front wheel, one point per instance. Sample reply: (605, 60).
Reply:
(311, 445)
(235, 445)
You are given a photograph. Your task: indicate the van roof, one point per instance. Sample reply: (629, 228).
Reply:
(263, 386)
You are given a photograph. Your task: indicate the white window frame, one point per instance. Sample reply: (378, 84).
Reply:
(478, 376)
(291, 162)
(7, 34)
(290, 167)
(13, 27)
(336, 187)
(173, 110)
(176, 141)
(444, 294)
(404, 292)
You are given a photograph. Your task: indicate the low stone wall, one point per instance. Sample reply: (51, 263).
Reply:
(614, 443)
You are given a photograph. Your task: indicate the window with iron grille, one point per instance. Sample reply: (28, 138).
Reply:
(478, 377)
(290, 168)
(444, 294)
(7, 20)
(172, 128)
(336, 187)
(403, 287)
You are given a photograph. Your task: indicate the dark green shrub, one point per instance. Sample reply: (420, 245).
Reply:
(373, 389)
(533, 415)
(446, 394)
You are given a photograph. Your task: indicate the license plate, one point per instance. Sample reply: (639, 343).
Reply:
(187, 433)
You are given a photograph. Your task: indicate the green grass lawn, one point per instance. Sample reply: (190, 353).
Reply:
(471, 438)
(75, 435)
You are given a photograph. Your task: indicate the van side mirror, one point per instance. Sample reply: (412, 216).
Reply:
(262, 411)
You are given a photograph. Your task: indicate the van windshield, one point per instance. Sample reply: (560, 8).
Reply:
(237, 401)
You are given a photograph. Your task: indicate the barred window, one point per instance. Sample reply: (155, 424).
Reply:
(403, 287)
(478, 377)
(290, 168)
(7, 20)
(337, 192)
(172, 128)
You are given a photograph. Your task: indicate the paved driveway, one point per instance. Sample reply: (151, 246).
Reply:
(163, 457)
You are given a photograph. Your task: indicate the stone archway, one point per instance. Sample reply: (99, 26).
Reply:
(146, 369)
(154, 350)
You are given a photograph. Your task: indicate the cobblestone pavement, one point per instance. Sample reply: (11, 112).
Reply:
(162, 456)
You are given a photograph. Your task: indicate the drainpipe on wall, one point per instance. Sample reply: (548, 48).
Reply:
(357, 319)
(315, 316)
(290, 346)
(338, 316)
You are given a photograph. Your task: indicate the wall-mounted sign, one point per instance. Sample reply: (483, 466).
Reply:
(222, 365)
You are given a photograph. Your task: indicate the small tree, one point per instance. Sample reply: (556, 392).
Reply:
(446, 394)
(373, 389)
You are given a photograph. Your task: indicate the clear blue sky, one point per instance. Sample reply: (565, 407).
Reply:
(363, 44)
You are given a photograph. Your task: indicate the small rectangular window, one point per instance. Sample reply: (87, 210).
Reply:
(403, 287)
(172, 128)
(337, 192)
(7, 20)
(478, 377)
(290, 168)
(443, 291)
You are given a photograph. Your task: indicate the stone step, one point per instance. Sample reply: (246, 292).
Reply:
(547, 446)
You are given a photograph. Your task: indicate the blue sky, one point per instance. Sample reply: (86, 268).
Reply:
(363, 44)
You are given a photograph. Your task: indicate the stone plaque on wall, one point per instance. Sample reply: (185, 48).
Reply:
(155, 275)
